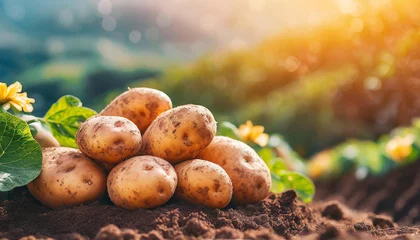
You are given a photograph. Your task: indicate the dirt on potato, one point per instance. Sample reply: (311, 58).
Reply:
(277, 217)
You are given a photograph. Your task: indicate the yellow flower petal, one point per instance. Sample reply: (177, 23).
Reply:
(13, 89)
(399, 148)
(28, 108)
(262, 140)
(3, 92)
(17, 106)
(256, 131)
(245, 130)
(13, 97)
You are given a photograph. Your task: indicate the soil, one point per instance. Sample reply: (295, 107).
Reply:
(396, 194)
(277, 217)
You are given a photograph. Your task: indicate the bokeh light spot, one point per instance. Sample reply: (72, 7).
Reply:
(105, 7)
(54, 46)
(372, 83)
(256, 5)
(134, 36)
(291, 64)
(109, 23)
(347, 6)
(66, 17)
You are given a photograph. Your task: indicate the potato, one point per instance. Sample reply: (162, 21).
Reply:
(43, 136)
(68, 178)
(140, 105)
(250, 175)
(142, 182)
(179, 134)
(108, 139)
(203, 182)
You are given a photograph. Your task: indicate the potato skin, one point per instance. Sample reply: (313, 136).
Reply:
(250, 176)
(142, 182)
(203, 182)
(108, 139)
(68, 178)
(180, 133)
(140, 105)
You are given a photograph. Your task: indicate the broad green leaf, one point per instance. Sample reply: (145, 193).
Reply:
(286, 180)
(64, 119)
(20, 154)
(62, 104)
(227, 129)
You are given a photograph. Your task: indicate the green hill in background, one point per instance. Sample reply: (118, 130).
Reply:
(353, 77)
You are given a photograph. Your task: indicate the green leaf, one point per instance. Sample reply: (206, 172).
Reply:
(286, 180)
(274, 163)
(62, 104)
(20, 154)
(227, 129)
(266, 154)
(64, 119)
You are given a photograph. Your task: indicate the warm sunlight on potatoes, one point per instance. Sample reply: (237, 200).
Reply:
(140, 105)
(108, 139)
(68, 178)
(142, 182)
(203, 182)
(180, 133)
(250, 176)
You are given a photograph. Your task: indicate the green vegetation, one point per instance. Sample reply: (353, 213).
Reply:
(20, 154)
(317, 87)
(64, 119)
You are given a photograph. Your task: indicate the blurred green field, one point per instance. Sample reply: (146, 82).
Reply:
(356, 77)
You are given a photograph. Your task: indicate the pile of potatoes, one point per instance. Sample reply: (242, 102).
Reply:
(143, 152)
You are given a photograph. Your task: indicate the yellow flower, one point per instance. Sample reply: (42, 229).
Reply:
(319, 165)
(13, 96)
(399, 148)
(250, 133)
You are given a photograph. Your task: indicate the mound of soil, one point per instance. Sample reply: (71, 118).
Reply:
(277, 217)
(396, 194)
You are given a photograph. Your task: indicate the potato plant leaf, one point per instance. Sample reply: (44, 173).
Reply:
(64, 119)
(20, 154)
(286, 180)
(227, 129)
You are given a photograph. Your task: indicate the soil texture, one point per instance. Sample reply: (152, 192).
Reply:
(277, 217)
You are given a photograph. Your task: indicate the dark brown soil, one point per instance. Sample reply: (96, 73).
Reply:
(277, 217)
(396, 194)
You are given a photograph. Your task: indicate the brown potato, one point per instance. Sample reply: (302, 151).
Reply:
(180, 133)
(68, 178)
(250, 175)
(142, 182)
(140, 105)
(203, 182)
(108, 139)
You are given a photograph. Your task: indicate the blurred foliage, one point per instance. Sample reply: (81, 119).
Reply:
(356, 77)
(400, 147)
